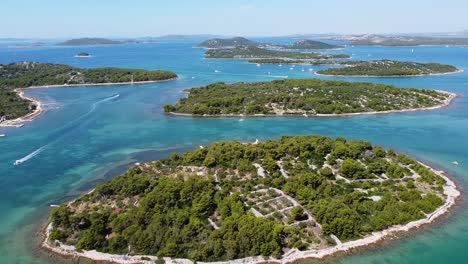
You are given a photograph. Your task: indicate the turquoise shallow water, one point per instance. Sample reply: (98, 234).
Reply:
(80, 146)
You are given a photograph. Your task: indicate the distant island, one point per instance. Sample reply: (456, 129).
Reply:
(308, 97)
(380, 40)
(389, 68)
(311, 44)
(252, 52)
(15, 108)
(178, 37)
(220, 43)
(274, 201)
(93, 42)
(83, 55)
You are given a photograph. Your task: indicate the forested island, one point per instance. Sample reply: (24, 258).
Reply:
(252, 52)
(288, 199)
(83, 55)
(308, 97)
(389, 68)
(93, 42)
(33, 74)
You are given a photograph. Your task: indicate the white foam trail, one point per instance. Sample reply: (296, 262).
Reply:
(39, 150)
(30, 156)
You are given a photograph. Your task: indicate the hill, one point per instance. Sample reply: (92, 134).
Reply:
(226, 43)
(311, 44)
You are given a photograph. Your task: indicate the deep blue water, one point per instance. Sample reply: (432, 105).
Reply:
(79, 145)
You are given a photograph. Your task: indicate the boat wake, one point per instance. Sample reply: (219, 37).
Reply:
(29, 156)
(64, 130)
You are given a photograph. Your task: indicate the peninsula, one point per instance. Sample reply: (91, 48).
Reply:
(275, 201)
(253, 52)
(389, 68)
(15, 108)
(308, 97)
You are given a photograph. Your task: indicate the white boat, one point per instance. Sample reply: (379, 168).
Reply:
(241, 120)
(2, 135)
(412, 50)
(216, 71)
(455, 163)
(281, 65)
(258, 64)
(54, 205)
(17, 162)
(291, 68)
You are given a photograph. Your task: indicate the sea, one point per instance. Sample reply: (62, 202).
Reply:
(87, 135)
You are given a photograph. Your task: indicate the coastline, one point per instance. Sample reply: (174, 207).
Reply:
(391, 76)
(446, 103)
(19, 122)
(273, 58)
(450, 190)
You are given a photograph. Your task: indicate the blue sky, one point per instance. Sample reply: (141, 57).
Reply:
(133, 18)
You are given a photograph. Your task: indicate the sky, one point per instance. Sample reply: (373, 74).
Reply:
(138, 18)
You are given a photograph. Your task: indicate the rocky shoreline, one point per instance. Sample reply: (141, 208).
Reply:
(446, 103)
(390, 76)
(450, 190)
